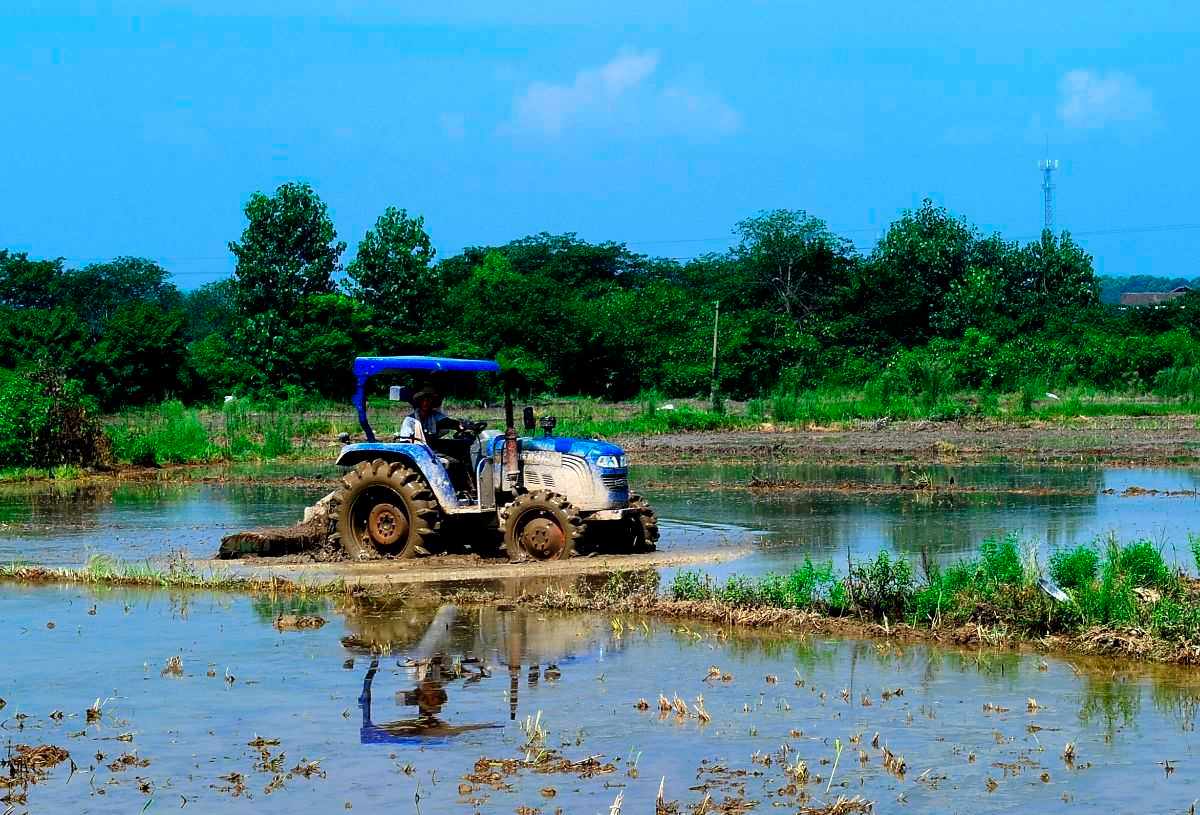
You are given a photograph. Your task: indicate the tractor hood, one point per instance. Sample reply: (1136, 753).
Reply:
(589, 449)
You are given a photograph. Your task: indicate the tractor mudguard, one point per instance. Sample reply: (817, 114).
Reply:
(416, 455)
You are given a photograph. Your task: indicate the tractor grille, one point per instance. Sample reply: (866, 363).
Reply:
(615, 483)
(535, 479)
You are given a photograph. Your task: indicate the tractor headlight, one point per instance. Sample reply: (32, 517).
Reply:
(611, 462)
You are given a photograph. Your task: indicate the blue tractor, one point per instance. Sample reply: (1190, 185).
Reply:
(547, 496)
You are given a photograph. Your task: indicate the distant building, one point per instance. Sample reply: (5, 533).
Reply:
(1152, 298)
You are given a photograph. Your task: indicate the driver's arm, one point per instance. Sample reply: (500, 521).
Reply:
(444, 422)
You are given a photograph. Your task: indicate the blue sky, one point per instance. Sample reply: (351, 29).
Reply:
(138, 127)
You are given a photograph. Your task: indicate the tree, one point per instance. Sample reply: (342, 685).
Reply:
(391, 270)
(903, 283)
(141, 355)
(289, 251)
(96, 291)
(210, 309)
(793, 258)
(26, 283)
(1059, 274)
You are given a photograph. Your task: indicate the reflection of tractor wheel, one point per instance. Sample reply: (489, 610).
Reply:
(542, 525)
(384, 509)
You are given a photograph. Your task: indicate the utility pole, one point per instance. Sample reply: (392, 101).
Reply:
(712, 395)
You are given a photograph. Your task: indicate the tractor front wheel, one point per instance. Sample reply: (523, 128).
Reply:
(384, 509)
(644, 523)
(635, 533)
(541, 525)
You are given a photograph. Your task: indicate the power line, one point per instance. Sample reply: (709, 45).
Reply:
(1124, 230)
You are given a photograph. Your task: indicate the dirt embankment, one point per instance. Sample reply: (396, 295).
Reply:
(380, 574)
(1113, 441)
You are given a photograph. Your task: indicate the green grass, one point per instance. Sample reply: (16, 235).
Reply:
(245, 430)
(1112, 587)
(168, 434)
(176, 572)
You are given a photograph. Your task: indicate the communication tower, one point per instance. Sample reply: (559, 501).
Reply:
(1048, 166)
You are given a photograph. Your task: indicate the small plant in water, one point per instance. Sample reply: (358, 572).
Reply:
(535, 733)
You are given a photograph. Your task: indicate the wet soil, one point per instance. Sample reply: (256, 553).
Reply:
(463, 568)
(1111, 441)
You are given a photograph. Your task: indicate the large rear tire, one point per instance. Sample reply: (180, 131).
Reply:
(541, 525)
(384, 509)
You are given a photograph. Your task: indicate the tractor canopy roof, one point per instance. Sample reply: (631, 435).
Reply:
(367, 367)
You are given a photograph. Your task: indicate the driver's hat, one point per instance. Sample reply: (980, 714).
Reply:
(427, 392)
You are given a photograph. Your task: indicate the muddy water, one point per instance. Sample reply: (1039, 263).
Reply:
(702, 507)
(454, 685)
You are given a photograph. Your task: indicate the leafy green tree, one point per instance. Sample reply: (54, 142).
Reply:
(218, 369)
(288, 251)
(26, 283)
(98, 290)
(908, 274)
(50, 337)
(1059, 274)
(335, 332)
(210, 309)
(793, 259)
(141, 355)
(392, 273)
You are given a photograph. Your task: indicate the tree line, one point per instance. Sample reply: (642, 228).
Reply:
(935, 304)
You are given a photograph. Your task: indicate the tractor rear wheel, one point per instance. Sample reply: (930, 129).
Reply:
(541, 525)
(384, 509)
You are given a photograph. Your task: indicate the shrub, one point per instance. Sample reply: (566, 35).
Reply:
(739, 591)
(1142, 563)
(802, 587)
(690, 585)
(47, 421)
(881, 586)
(1074, 568)
(1000, 561)
(943, 594)
(1194, 545)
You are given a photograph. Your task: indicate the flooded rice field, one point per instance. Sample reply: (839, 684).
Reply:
(198, 701)
(823, 512)
(210, 701)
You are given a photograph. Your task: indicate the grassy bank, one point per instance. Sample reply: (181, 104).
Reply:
(1121, 600)
(177, 572)
(242, 430)
(1118, 599)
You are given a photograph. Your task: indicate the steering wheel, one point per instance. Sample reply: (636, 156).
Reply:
(470, 430)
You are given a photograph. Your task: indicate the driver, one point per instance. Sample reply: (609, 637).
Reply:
(426, 403)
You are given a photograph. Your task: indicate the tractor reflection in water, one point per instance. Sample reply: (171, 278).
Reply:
(445, 646)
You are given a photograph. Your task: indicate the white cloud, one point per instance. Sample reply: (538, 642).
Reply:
(620, 93)
(1089, 99)
(548, 108)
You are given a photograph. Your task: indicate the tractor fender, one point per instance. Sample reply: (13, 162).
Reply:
(418, 456)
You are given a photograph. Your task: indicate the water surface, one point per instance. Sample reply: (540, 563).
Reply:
(448, 686)
(701, 507)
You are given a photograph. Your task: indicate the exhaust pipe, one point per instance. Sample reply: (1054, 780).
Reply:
(512, 468)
